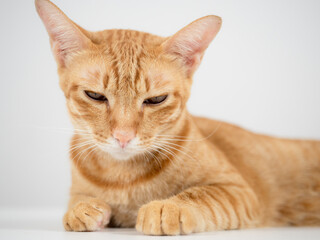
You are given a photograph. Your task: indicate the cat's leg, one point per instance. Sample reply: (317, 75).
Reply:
(86, 214)
(199, 209)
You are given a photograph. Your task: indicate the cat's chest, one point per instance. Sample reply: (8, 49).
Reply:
(125, 197)
(126, 202)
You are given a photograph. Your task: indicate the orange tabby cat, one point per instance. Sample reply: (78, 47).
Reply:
(140, 159)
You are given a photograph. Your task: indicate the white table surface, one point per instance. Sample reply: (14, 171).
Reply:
(46, 224)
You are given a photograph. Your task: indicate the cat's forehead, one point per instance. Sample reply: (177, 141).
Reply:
(126, 59)
(112, 75)
(123, 35)
(128, 50)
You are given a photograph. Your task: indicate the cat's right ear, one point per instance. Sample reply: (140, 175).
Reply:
(65, 36)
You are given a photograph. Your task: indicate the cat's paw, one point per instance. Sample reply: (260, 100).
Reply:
(166, 218)
(92, 215)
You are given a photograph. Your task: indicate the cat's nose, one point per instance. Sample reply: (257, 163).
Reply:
(123, 137)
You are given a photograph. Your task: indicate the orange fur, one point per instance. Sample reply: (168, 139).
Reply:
(179, 173)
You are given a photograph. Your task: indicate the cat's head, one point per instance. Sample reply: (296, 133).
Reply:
(126, 90)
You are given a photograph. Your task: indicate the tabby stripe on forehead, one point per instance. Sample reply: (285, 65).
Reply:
(120, 35)
(127, 34)
(105, 81)
(147, 84)
(144, 38)
(138, 69)
(140, 55)
(136, 34)
(114, 66)
(110, 37)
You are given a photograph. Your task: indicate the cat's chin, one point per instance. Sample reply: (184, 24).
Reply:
(120, 155)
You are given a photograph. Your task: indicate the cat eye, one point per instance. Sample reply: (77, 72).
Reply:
(155, 100)
(96, 96)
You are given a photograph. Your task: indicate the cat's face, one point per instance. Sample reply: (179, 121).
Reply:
(126, 90)
(124, 93)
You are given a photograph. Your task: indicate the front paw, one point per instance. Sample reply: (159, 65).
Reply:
(167, 218)
(91, 215)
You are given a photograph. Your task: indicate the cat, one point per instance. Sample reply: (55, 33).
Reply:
(138, 157)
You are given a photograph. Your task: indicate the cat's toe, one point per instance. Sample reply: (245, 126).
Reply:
(165, 218)
(87, 216)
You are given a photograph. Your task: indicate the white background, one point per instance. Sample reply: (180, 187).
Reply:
(261, 72)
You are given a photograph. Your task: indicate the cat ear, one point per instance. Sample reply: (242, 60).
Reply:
(65, 37)
(190, 42)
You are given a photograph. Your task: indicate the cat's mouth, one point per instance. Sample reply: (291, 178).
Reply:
(120, 153)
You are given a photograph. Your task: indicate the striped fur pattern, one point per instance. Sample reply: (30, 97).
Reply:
(179, 174)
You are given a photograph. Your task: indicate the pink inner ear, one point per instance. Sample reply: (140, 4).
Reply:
(65, 37)
(191, 42)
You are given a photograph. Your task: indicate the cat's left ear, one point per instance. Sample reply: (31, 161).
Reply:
(190, 43)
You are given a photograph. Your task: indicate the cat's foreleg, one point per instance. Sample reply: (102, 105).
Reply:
(199, 209)
(86, 214)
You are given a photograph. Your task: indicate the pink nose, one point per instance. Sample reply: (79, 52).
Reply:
(123, 137)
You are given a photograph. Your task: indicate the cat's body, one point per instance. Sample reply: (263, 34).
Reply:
(284, 174)
(139, 158)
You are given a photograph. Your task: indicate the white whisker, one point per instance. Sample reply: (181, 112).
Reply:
(180, 151)
(186, 139)
(76, 146)
(88, 154)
